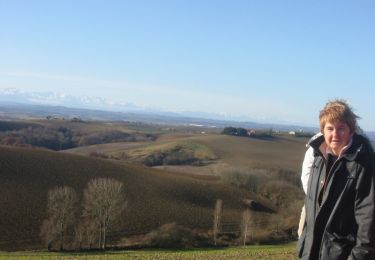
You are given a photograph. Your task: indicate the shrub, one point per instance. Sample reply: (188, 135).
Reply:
(156, 158)
(249, 179)
(98, 155)
(281, 193)
(171, 235)
(179, 154)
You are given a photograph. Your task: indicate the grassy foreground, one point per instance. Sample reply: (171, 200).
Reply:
(279, 252)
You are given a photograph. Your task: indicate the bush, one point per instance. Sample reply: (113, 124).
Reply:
(281, 193)
(98, 155)
(179, 154)
(289, 176)
(154, 159)
(171, 235)
(249, 179)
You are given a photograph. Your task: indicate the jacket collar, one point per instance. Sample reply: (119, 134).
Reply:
(356, 146)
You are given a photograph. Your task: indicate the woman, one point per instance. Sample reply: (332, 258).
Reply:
(340, 209)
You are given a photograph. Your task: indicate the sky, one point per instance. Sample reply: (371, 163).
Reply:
(276, 61)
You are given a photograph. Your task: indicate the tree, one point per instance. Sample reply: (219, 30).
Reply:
(245, 225)
(104, 202)
(242, 132)
(86, 233)
(61, 212)
(48, 233)
(79, 233)
(217, 219)
(91, 232)
(229, 131)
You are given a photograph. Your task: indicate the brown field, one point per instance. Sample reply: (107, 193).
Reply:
(280, 152)
(184, 194)
(155, 197)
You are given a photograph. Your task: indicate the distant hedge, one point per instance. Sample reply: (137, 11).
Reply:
(64, 138)
(235, 131)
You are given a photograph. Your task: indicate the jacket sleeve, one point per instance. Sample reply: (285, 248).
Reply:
(365, 213)
(308, 161)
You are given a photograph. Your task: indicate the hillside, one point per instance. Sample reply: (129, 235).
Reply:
(155, 197)
(280, 152)
(170, 173)
(267, 167)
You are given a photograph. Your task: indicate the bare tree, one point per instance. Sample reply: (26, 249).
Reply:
(104, 202)
(217, 219)
(61, 212)
(86, 233)
(48, 233)
(79, 234)
(91, 232)
(245, 225)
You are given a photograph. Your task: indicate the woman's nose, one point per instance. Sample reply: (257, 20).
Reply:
(336, 132)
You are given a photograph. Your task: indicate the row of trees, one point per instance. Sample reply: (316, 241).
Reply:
(235, 131)
(103, 202)
(239, 131)
(64, 138)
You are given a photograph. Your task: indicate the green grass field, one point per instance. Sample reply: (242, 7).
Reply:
(279, 252)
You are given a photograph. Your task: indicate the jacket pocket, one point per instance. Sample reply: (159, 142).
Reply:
(337, 247)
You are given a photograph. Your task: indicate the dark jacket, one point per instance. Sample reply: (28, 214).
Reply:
(340, 205)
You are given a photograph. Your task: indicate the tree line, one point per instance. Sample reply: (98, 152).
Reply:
(240, 131)
(64, 138)
(103, 203)
(236, 131)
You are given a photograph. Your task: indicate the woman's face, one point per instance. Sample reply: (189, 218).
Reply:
(336, 135)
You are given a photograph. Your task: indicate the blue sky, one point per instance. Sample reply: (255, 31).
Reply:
(265, 60)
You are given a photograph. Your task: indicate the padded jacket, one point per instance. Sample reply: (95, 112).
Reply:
(342, 224)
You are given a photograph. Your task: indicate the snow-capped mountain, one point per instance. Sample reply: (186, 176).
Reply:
(62, 99)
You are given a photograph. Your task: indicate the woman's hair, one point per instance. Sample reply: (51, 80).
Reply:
(338, 110)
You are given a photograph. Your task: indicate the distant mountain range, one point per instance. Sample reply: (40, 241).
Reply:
(15, 103)
(60, 99)
(13, 95)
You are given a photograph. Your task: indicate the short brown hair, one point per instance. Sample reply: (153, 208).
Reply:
(338, 110)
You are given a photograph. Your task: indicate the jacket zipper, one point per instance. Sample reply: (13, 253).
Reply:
(324, 190)
(328, 175)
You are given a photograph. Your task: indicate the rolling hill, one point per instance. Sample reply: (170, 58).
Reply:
(279, 152)
(191, 170)
(155, 197)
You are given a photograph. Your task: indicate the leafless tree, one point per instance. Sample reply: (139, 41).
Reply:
(48, 233)
(85, 233)
(245, 225)
(217, 219)
(91, 232)
(79, 234)
(104, 202)
(61, 212)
